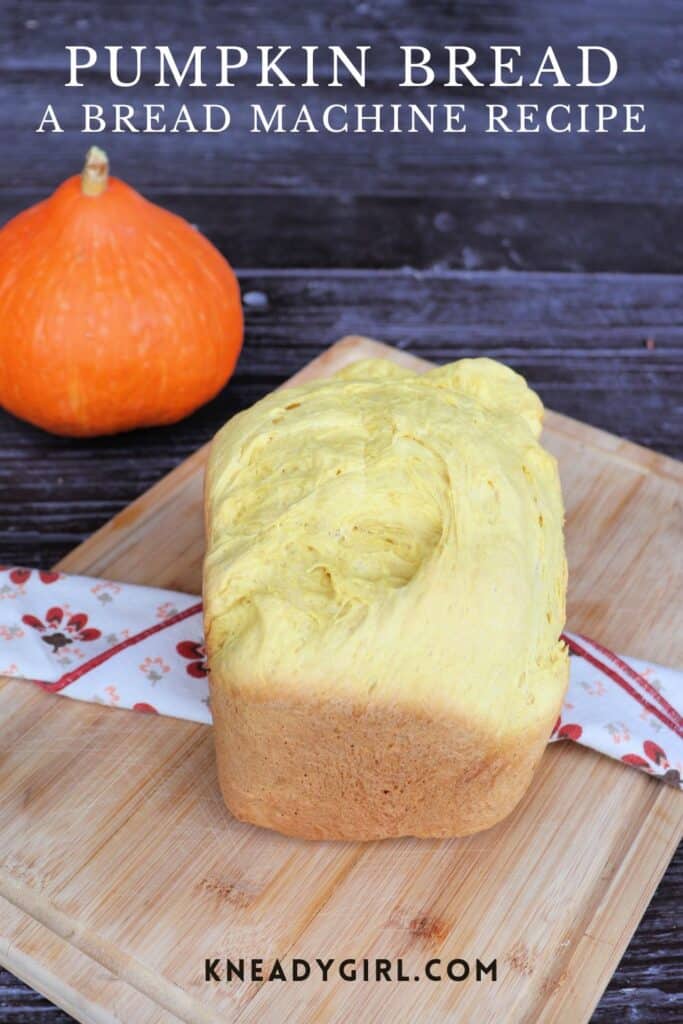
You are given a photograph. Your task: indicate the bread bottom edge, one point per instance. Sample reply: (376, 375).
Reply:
(333, 770)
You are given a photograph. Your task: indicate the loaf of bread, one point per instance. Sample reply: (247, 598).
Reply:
(384, 592)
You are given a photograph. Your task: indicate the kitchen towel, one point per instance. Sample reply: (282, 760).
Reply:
(136, 647)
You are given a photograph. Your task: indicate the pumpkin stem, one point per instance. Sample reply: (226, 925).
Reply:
(95, 172)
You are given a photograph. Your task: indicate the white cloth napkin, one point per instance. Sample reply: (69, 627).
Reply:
(142, 648)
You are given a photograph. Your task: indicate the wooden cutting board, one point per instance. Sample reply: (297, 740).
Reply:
(120, 869)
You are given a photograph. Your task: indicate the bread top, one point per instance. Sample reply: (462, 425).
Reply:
(387, 536)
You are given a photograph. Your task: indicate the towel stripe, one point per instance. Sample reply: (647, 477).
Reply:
(636, 677)
(578, 648)
(99, 659)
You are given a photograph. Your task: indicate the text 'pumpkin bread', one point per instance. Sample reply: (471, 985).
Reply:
(384, 593)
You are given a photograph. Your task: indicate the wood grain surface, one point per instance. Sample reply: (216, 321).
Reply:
(523, 202)
(601, 340)
(157, 870)
(579, 339)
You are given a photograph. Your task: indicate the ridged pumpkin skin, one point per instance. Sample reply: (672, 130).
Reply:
(114, 313)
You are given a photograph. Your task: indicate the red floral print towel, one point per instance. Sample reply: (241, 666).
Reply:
(142, 648)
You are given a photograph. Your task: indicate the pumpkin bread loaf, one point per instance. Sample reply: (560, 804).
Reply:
(384, 592)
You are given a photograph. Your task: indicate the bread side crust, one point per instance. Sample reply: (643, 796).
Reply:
(335, 765)
(333, 769)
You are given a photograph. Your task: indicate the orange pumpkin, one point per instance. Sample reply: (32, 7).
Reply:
(114, 313)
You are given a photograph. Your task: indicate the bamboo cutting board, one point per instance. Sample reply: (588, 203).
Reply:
(120, 869)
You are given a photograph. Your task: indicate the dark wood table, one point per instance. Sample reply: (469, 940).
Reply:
(560, 254)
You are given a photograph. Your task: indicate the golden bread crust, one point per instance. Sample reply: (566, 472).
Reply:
(320, 769)
(384, 592)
